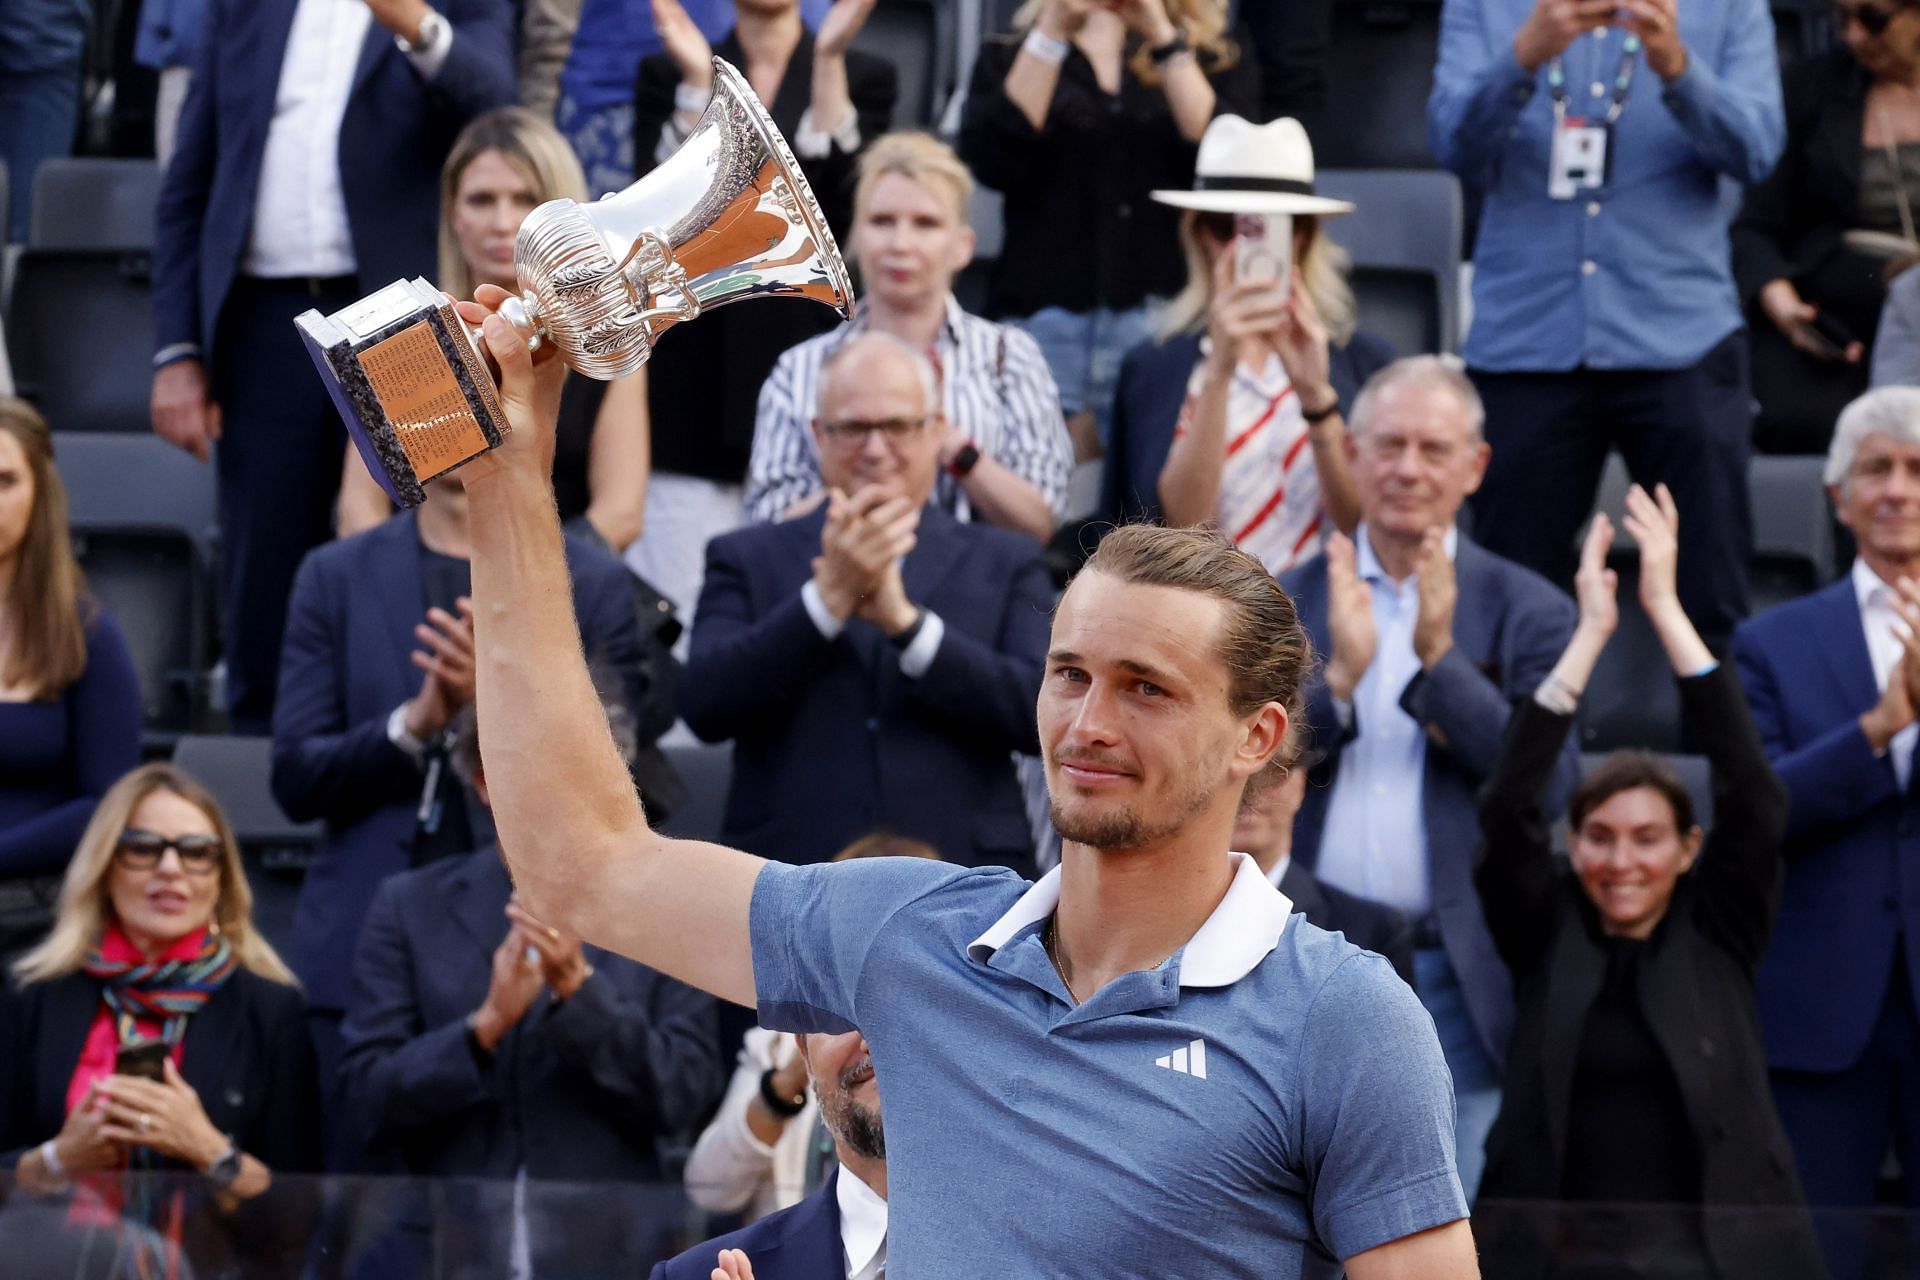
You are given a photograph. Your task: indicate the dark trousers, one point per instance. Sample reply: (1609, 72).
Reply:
(281, 447)
(1688, 428)
(1840, 1124)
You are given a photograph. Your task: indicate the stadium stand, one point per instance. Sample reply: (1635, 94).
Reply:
(92, 202)
(274, 846)
(1405, 237)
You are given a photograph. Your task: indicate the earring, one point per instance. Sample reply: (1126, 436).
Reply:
(213, 925)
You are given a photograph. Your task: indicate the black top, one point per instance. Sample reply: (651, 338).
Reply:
(1081, 229)
(580, 400)
(703, 385)
(1627, 1128)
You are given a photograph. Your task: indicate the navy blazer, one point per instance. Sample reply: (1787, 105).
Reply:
(344, 667)
(1853, 837)
(831, 741)
(396, 130)
(1146, 406)
(576, 1091)
(801, 1242)
(1509, 628)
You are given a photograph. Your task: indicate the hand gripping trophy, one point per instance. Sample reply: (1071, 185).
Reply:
(728, 216)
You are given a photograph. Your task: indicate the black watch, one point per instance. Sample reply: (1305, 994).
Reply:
(222, 1173)
(965, 459)
(1161, 54)
(778, 1103)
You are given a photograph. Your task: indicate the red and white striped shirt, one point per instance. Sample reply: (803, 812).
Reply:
(1269, 500)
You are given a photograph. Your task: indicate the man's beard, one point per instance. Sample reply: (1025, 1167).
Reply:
(854, 1123)
(1125, 828)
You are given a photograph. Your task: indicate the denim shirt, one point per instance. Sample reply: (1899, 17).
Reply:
(1634, 275)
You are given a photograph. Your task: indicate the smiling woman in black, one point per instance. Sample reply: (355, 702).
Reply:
(1636, 1075)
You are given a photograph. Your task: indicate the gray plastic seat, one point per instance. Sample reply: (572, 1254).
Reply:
(92, 202)
(1793, 542)
(80, 335)
(126, 481)
(274, 847)
(1406, 223)
(708, 772)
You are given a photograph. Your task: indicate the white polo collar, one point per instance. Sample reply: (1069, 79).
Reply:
(1236, 937)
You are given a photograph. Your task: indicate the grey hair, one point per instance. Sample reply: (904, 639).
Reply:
(1888, 411)
(922, 368)
(1443, 372)
(462, 734)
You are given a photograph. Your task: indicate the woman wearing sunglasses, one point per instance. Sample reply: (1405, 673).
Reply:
(154, 1028)
(1813, 242)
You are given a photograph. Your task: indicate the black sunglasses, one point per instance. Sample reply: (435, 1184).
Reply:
(140, 850)
(1872, 18)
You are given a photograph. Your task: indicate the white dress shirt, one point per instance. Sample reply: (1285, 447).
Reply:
(1878, 620)
(299, 207)
(863, 1226)
(914, 659)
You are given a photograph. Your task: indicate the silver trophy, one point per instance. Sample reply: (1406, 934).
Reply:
(728, 216)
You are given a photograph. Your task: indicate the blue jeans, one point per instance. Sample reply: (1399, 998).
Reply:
(39, 114)
(1083, 349)
(1476, 1077)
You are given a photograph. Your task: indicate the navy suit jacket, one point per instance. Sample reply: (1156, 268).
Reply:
(1509, 628)
(576, 1091)
(1853, 837)
(396, 130)
(1146, 406)
(801, 1242)
(344, 667)
(831, 740)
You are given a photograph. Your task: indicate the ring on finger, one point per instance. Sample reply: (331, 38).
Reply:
(146, 1122)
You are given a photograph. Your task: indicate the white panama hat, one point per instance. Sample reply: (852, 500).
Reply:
(1254, 168)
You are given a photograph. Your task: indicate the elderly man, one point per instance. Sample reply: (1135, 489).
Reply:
(840, 1231)
(1146, 1029)
(1430, 640)
(872, 645)
(1834, 699)
(1605, 313)
(1004, 451)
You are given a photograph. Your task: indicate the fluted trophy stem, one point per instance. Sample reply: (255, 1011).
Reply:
(727, 217)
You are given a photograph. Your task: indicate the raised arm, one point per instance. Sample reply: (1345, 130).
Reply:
(582, 855)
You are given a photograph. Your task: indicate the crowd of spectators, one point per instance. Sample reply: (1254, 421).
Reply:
(836, 547)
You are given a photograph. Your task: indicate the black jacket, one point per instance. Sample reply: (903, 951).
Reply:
(704, 381)
(248, 1056)
(1790, 225)
(1370, 926)
(1696, 980)
(1082, 230)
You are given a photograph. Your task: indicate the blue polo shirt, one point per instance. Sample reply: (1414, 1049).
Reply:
(1267, 1101)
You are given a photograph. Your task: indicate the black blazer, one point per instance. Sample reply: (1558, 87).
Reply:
(1696, 979)
(1370, 926)
(831, 740)
(576, 1091)
(1790, 225)
(704, 384)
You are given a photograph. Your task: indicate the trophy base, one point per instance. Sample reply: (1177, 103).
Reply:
(406, 378)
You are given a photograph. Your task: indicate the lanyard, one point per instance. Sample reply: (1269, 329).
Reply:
(1622, 81)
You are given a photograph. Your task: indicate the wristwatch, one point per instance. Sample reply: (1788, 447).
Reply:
(222, 1172)
(429, 32)
(964, 460)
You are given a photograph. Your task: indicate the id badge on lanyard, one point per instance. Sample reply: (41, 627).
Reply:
(1580, 156)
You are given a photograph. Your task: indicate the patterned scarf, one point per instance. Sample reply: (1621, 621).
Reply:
(164, 991)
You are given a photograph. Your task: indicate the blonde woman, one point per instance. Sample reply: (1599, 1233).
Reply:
(1233, 417)
(153, 962)
(69, 699)
(1075, 117)
(504, 164)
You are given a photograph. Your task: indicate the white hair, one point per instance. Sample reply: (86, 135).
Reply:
(922, 368)
(1887, 411)
(1442, 372)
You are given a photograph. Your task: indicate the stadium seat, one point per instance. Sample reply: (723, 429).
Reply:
(707, 771)
(1793, 542)
(1399, 304)
(1379, 72)
(917, 37)
(92, 202)
(117, 481)
(80, 333)
(1406, 225)
(274, 847)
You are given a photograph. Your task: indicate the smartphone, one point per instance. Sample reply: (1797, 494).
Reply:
(1834, 331)
(1263, 249)
(142, 1058)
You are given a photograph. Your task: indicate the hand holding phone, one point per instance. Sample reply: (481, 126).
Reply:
(144, 1059)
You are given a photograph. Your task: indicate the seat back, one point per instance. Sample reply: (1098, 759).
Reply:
(1379, 73)
(916, 38)
(1793, 539)
(92, 202)
(275, 848)
(1400, 305)
(154, 584)
(80, 332)
(708, 772)
(126, 481)
(1404, 220)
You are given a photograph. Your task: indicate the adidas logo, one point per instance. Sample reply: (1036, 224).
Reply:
(1190, 1061)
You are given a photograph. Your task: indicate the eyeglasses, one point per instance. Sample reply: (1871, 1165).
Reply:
(1872, 18)
(140, 850)
(853, 431)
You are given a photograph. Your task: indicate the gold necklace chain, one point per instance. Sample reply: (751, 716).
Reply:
(1047, 936)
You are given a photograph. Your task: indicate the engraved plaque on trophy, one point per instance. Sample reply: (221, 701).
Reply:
(728, 216)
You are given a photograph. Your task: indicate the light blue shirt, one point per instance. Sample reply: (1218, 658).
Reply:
(1638, 274)
(1269, 1099)
(1375, 840)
